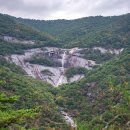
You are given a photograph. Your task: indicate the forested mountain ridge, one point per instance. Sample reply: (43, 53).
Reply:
(99, 101)
(9, 27)
(86, 32)
(108, 32)
(16, 37)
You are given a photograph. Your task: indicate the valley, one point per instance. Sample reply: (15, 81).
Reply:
(55, 73)
(65, 74)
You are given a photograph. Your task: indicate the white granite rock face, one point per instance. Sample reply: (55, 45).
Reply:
(69, 120)
(63, 58)
(112, 51)
(15, 40)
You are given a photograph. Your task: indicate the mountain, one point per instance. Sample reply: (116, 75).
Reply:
(86, 32)
(13, 32)
(101, 99)
(108, 32)
(9, 27)
(26, 103)
(47, 85)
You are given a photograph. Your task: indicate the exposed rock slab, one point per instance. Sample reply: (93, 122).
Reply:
(63, 59)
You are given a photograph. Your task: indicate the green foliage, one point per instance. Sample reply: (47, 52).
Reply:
(4, 98)
(11, 48)
(97, 56)
(32, 94)
(10, 115)
(108, 32)
(117, 115)
(13, 67)
(9, 27)
(101, 99)
(41, 61)
(73, 71)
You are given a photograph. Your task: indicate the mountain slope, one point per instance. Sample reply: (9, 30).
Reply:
(101, 99)
(99, 31)
(36, 105)
(9, 27)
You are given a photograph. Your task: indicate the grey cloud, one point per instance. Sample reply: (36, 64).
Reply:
(21, 5)
(103, 7)
(107, 5)
(68, 9)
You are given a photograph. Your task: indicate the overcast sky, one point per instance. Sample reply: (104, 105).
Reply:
(63, 9)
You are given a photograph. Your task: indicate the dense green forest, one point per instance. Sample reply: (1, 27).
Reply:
(97, 56)
(26, 103)
(7, 48)
(73, 71)
(108, 32)
(9, 27)
(99, 101)
(102, 98)
(86, 32)
(40, 61)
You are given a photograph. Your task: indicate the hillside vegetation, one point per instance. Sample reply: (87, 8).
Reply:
(26, 103)
(86, 32)
(101, 99)
(9, 27)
